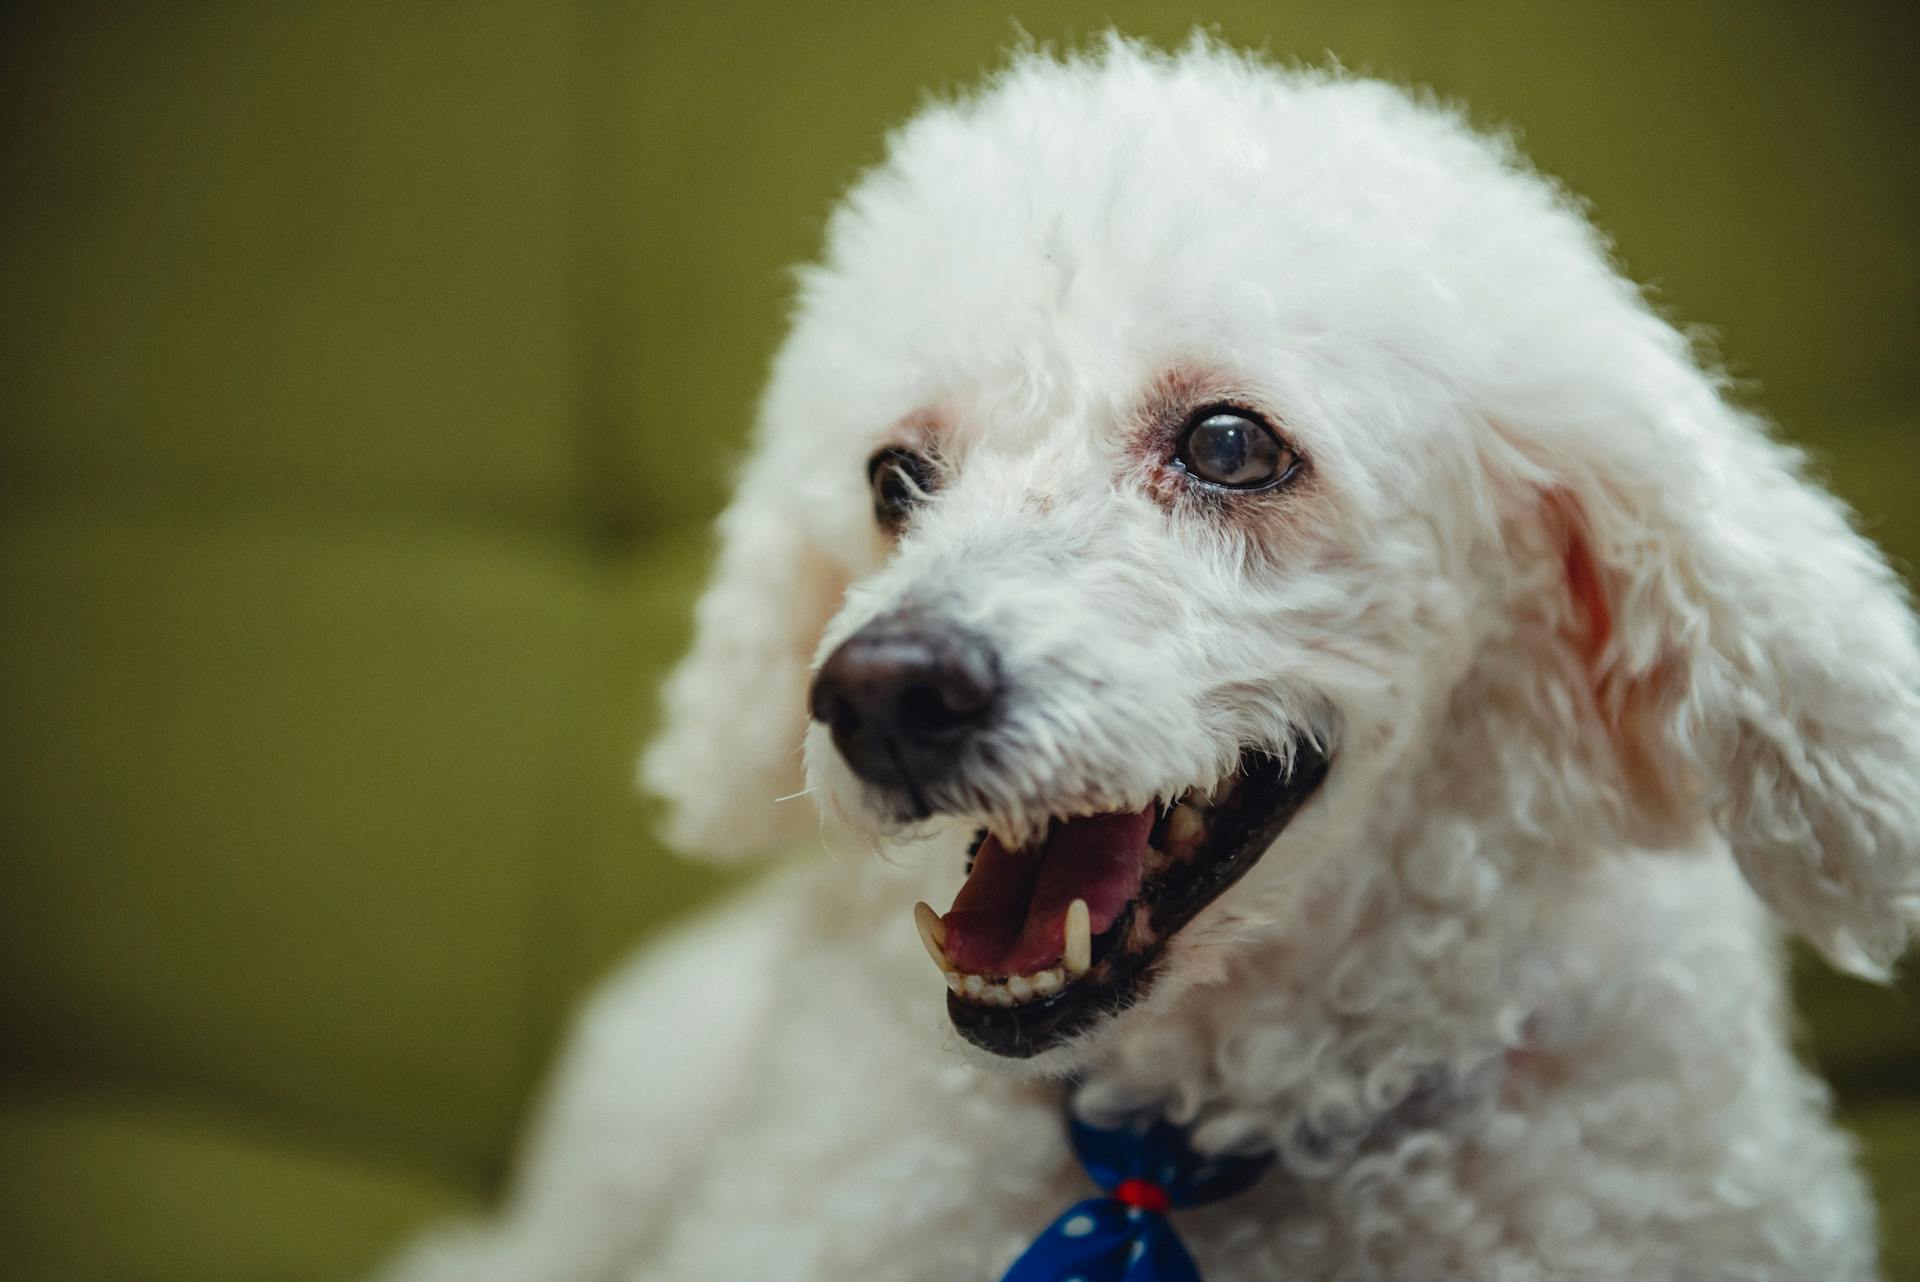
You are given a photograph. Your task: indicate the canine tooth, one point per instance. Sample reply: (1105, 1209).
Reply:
(933, 933)
(1185, 827)
(1047, 981)
(1079, 955)
(1020, 986)
(932, 929)
(953, 982)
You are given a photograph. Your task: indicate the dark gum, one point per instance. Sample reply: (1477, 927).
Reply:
(973, 848)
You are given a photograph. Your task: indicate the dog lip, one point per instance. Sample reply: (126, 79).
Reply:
(1239, 835)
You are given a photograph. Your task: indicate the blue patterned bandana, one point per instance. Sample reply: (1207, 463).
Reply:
(1147, 1169)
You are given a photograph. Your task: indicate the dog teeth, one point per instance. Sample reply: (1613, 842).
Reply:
(1011, 991)
(1184, 827)
(933, 933)
(1079, 950)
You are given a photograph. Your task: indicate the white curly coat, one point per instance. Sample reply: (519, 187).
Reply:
(1583, 643)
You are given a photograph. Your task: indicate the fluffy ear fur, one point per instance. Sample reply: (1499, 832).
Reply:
(728, 759)
(1752, 656)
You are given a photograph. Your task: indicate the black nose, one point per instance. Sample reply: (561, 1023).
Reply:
(902, 699)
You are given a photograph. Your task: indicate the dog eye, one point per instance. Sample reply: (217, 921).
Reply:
(1235, 450)
(900, 481)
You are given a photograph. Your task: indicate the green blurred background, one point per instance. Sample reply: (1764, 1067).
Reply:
(369, 374)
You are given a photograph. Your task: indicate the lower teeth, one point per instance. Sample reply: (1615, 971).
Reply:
(1010, 991)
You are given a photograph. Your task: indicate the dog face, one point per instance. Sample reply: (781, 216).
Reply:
(1086, 643)
(1164, 447)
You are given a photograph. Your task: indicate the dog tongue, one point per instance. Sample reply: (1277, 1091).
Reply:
(1011, 916)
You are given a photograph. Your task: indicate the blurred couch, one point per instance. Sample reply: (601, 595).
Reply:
(369, 373)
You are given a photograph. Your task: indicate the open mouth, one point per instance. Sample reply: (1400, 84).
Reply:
(1045, 939)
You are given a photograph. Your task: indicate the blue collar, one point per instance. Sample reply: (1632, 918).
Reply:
(1147, 1168)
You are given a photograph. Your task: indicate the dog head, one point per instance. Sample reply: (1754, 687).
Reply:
(1173, 460)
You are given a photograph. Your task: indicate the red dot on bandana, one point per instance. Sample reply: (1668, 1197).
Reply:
(1148, 1197)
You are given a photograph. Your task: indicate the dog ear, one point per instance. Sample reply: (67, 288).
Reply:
(728, 756)
(1753, 658)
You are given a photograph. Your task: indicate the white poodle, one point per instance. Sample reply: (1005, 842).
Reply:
(1357, 680)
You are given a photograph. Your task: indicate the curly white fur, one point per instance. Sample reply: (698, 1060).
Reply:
(1584, 645)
